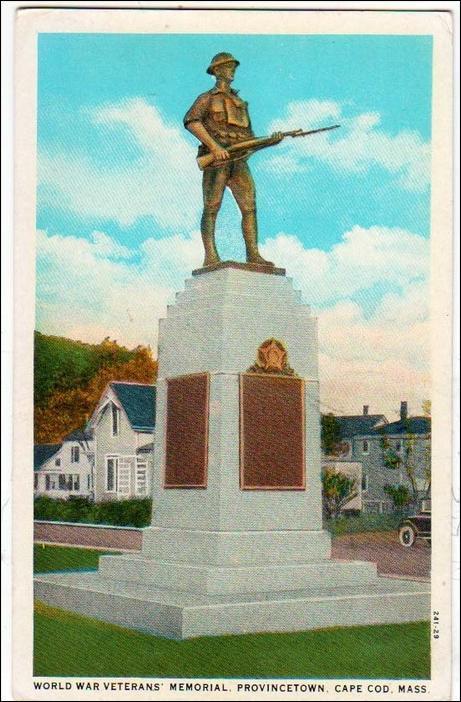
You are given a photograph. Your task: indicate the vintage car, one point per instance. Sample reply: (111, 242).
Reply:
(417, 526)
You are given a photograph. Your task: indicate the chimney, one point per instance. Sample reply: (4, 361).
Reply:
(365, 410)
(403, 410)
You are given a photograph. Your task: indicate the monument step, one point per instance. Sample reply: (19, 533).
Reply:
(226, 580)
(184, 615)
(236, 548)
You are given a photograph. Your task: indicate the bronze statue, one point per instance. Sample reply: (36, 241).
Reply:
(219, 119)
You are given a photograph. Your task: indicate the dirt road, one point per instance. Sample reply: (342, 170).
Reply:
(384, 549)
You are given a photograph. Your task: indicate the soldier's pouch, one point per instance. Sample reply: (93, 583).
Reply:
(237, 113)
(218, 111)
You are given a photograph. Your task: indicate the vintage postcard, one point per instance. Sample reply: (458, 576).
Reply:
(233, 256)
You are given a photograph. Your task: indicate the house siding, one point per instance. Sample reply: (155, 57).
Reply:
(66, 467)
(124, 445)
(373, 465)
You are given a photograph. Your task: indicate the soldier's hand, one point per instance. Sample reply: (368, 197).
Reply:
(220, 154)
(276, 137)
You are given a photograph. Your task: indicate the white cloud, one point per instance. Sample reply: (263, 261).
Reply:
(362, 259)
(86, 293)
(89, 289)
(376, 358)
(373, 361)
(105, 247)
(359, 145)
(162, 180)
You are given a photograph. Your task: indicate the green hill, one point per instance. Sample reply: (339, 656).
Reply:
(61, 363)
(71, 375)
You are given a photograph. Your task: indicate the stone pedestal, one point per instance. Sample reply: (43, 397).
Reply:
(221, 558)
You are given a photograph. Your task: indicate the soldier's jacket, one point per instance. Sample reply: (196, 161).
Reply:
(223, 114)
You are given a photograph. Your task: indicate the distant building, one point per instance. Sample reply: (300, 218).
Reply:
(351, 426)
(123, 424)
(65, 469)
(385, 450)
(112, 458)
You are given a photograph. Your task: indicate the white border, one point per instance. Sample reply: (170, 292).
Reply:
(349, 23)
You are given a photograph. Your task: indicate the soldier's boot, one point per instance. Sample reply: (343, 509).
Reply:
(208, 237)
(250, 235)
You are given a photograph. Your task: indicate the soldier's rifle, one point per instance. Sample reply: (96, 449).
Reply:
(244, 149)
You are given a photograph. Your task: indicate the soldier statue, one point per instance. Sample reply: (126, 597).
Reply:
(219, 119)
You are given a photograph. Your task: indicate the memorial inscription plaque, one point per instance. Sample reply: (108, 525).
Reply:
(187, 431)
(272, 435)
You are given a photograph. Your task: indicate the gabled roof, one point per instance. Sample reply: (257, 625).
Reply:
(138, 401)
(42, 452)
(79, 435)
(410, 425)
(357, 425)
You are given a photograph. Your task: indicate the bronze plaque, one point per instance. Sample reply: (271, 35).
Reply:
(187, 431)
(271, 432)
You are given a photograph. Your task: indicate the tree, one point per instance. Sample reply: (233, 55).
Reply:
(426, 407)
(330, 434)
(338, 490)
(70, 408)
(399, 494)
(405, 462)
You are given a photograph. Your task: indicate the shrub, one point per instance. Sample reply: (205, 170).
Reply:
(338, 490)
(135, 512)
(399, 494)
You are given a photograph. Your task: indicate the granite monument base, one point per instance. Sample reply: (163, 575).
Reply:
(236, 543)
(182, 615)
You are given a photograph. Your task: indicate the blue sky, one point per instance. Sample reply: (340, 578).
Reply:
(348, 213)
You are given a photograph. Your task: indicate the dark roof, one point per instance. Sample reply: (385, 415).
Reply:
(357, 425)
(42, 452)
(147, 448)
(138, 401)
(79, 435)
(411, 425)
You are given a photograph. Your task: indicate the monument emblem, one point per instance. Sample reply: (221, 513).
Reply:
(272, 357)
(220, 120)
(236, 542)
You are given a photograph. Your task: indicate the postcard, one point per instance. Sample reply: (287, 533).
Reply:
(232, 395)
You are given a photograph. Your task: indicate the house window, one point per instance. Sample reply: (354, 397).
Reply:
(50, 481)
(365, 447)
(76, 485)
(89, 482)
(57, 462)
(364, 482)
(141, 478)
(35, 481)
(62, 482)
(111, 473)
(115, 420)
(75, 454)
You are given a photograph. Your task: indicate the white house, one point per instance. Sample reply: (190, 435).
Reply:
(123, 427)
(385, 450)
(65, 469)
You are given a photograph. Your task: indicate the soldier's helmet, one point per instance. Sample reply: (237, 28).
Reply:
(219, 59)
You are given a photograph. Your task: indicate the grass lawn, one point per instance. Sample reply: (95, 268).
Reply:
(363, 523)
(50, 558)
(68, 644)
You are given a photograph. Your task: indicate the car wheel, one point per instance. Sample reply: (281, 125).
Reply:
(407, 535)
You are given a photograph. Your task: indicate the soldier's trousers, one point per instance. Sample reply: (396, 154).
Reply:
(237, 177)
